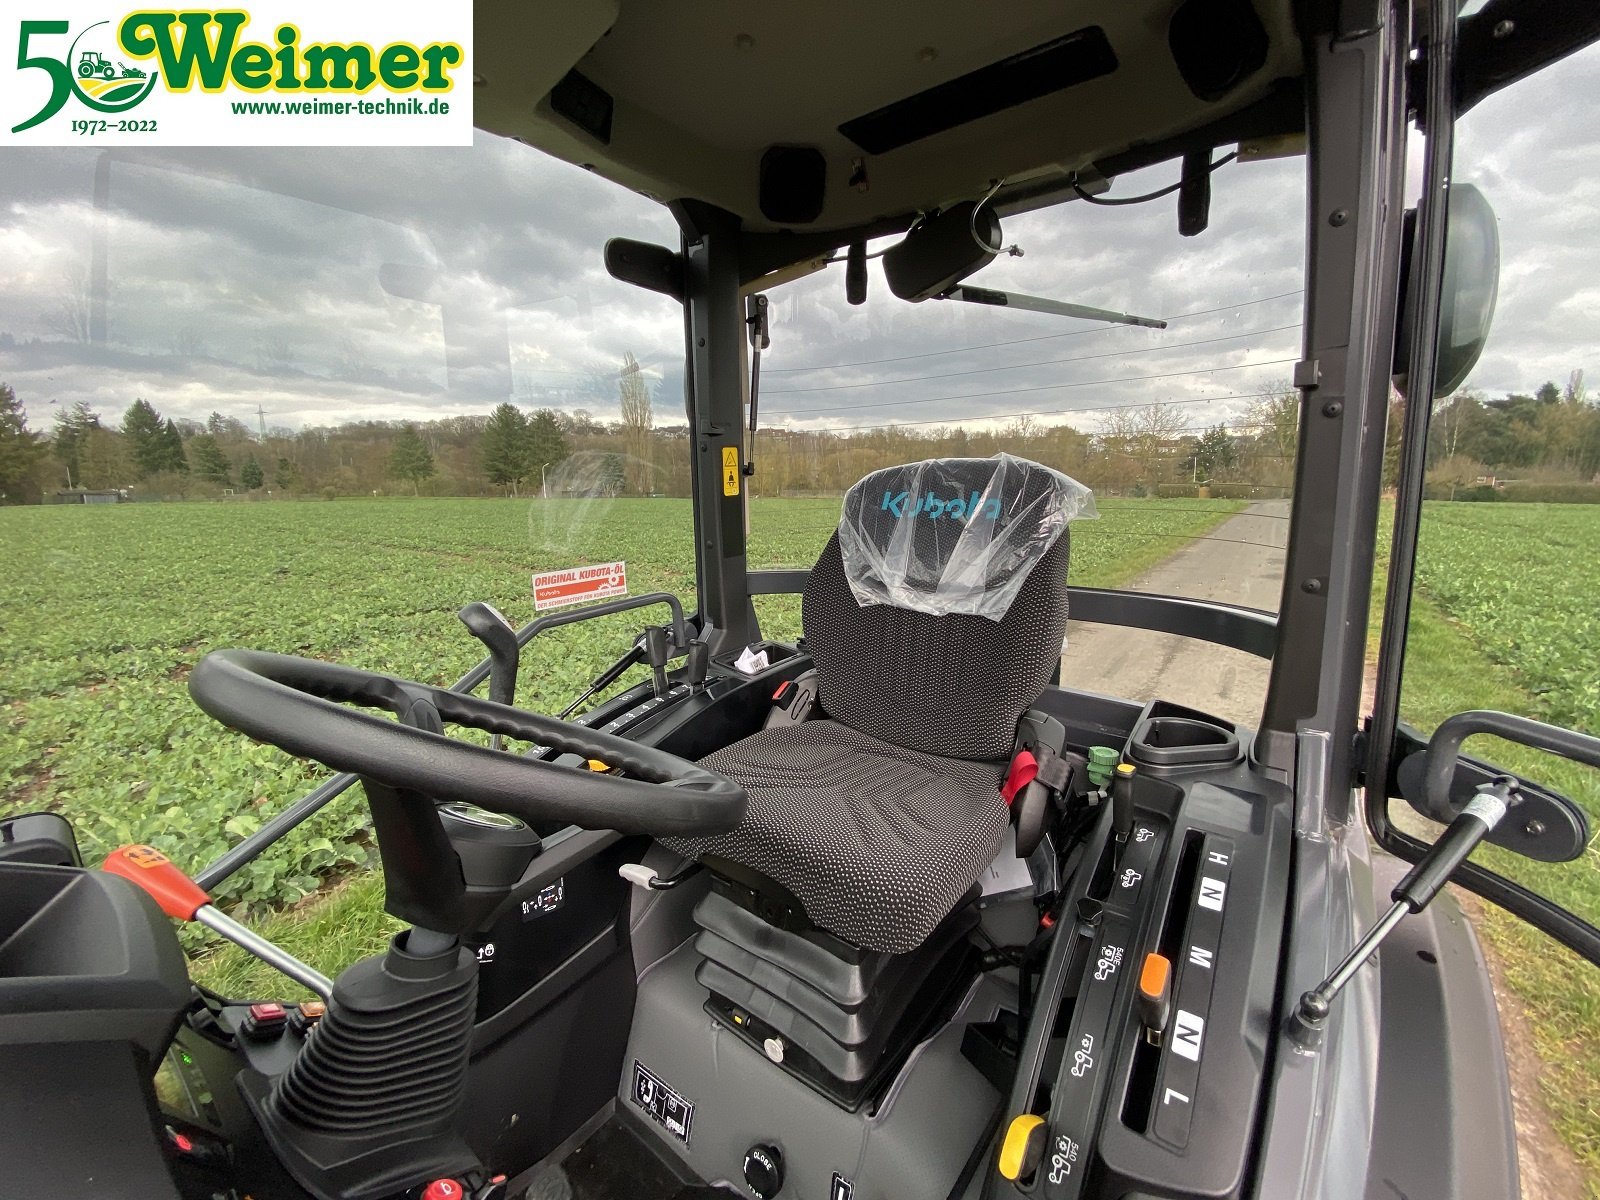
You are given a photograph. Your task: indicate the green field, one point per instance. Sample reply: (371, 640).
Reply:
(104, 609)
(1508, 617)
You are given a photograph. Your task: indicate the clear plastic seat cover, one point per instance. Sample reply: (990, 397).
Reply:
(955, 535)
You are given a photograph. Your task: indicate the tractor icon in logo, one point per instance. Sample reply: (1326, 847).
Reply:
(102, 80)
(94, 63)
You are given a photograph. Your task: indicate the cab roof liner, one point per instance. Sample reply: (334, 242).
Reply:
(858, 114)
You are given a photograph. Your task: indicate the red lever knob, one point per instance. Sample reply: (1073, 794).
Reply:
(148, 868)
(443, 1189)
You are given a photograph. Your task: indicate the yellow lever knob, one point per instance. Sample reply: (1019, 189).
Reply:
(1023, 1148)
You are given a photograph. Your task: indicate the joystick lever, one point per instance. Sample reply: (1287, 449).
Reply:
(185, 900)
(1412, 894)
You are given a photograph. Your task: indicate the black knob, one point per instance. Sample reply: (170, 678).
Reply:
(763, 1171)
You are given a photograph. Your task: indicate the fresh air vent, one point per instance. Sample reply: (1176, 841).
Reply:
(1052, 67)
(585, 103)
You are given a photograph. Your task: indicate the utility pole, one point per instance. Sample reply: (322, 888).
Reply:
(261, 418)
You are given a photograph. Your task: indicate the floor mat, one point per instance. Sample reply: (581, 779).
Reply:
(614, 1164)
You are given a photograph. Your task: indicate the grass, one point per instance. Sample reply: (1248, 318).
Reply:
(104, 610)
(1506, 619)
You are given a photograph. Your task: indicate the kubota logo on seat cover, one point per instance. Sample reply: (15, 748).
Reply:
(901, 504)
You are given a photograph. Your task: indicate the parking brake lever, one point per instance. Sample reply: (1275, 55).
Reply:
(185, 900)
(492, 629)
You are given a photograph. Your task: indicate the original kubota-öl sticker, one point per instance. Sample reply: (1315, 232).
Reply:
(578, 585)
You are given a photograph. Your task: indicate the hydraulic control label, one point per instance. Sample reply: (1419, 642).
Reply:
(550, 898)
(661, 1104)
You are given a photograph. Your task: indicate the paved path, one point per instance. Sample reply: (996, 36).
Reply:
(1239, 562)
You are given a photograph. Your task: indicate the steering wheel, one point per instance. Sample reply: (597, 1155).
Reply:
(297, 704)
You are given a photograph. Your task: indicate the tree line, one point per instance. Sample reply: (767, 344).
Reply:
(1551, 435)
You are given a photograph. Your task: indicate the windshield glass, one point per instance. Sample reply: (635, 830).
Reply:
(1186, 434)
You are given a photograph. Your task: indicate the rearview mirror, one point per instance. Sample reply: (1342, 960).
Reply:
(942, 250)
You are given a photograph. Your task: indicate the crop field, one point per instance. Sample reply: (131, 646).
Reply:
(103, 610)
(1508, 617)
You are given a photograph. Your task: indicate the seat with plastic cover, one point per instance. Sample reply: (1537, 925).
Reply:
(934, 617)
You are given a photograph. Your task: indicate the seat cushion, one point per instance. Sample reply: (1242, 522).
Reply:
(878, 842)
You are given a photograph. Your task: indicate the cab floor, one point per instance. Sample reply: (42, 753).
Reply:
(614, 1164)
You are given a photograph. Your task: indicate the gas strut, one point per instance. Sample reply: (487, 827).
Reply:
(1413, 893)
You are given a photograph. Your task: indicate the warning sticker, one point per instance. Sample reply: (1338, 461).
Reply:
(730, 470)
(557, 589)
(661, 1104)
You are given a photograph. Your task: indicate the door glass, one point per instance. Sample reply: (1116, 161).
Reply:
(1506, 613)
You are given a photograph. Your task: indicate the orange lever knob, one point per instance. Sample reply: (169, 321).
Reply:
(147, 868)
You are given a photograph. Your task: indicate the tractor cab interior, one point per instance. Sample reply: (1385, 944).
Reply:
(890, 908)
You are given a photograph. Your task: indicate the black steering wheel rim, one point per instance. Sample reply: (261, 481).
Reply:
(299, 705)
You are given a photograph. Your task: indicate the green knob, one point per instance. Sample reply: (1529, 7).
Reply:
(1102, 762)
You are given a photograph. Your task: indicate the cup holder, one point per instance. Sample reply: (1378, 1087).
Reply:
(1183, 742)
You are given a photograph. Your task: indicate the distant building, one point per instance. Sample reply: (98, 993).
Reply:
(90, 496)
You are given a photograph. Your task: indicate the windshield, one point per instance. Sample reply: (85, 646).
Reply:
(1186, 434)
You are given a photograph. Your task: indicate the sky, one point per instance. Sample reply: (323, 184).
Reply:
(309, 287)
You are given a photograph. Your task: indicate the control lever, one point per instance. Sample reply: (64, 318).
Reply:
(185, 900)
(697, 663)
(489, 626)
(1411, 895)
(1122, 803)
(656, 651)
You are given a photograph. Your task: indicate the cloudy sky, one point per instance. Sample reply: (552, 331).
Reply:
(319, 286)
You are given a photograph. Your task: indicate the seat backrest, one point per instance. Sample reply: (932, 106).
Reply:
(936, 612)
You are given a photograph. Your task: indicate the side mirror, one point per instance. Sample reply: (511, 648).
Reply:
(1467, 298)
(942, 250)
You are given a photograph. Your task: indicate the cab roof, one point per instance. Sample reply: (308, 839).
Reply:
(838, 117)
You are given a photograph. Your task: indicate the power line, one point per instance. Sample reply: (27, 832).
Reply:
(1048, 387)
(1045, 337)
(1053, 362)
